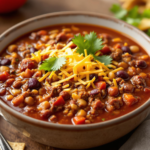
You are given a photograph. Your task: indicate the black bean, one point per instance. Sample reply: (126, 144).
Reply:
(94, 75)
(141, 64)
(33, 50)
(5, 62)
(126, 49)
(122, 74)
(95, 91)
(33, 83)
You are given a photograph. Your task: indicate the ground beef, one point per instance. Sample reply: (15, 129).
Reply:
(138, 81)
(97, 104)
(28, 63)
(53, 91)
(114, 103)
(117, 54)
(61, 37)
(127, 87)
(84, 95)
(65, 95)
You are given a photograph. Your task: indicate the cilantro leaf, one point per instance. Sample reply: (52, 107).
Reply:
(103, 59)
(90, 42)
(146, 13)
(148, 32)
(119, 12)
(133, 13)
(94, 42)
(81, 43)
(53, 64)
(133, 21)
(115, 8)
(132, 16)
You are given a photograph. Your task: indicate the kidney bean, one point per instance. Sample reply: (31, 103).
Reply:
(33, 83)
(95, 91)
(141, 64)
(126, 49)
(5, 62)
(45, 114)
(122, 74)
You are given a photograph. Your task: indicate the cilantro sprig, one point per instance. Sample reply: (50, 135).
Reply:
(92, 44)
(53, 64)
(131, 16)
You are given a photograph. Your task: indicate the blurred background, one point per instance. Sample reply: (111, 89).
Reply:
(33, 8)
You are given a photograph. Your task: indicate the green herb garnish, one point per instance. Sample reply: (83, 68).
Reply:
(131, 16)
(103, 119)
(53, 64)
(92, 44)
(118, 11)
(29, 46)
(17, 59)
(148, 32)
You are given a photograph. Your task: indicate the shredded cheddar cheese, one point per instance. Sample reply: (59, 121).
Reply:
(77, 67)
(45, 76)
(115, 82)
(118, 69)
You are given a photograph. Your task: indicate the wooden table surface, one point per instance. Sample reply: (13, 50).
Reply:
(37, 7)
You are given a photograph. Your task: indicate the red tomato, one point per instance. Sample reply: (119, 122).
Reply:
(59, 101)
(10, 5)
(105, 50)
(78, 120)
(101, 85)
(117, 46)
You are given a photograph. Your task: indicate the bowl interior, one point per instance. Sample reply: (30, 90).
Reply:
(48, 20)
(73, 17)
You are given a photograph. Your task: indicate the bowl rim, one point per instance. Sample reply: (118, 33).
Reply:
(45, 124)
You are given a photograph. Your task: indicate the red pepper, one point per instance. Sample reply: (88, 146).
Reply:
(117, 46)
(59, 101)
(101, 85)
(78, 120)
(106, 50)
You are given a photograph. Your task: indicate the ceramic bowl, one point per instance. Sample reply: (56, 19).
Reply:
(69, 136)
